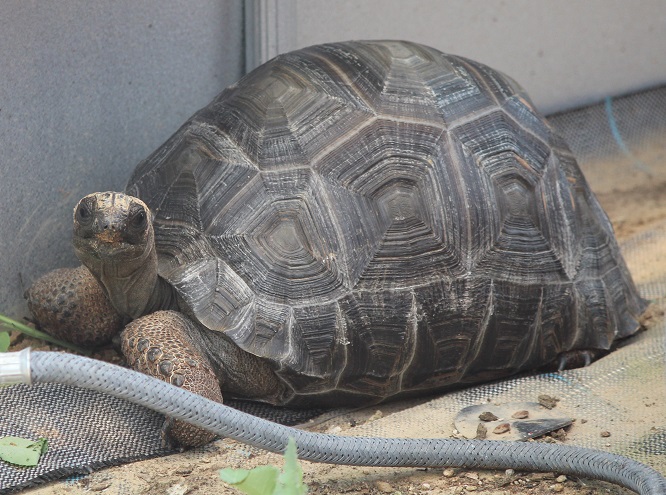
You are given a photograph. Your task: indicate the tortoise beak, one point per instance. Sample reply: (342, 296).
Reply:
(109, 236)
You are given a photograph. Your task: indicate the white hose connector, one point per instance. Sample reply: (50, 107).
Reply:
(15, 367)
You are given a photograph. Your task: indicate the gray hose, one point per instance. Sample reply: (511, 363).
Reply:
(360, 451)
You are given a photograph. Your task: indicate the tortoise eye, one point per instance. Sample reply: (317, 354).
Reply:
(84, 214)
(138, 220)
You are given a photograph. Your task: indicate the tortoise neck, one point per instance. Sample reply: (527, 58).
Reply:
(133, 285)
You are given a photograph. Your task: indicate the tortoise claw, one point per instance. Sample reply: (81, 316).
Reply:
(577, 359)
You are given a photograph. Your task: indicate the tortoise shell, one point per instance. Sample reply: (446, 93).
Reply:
(379, 218)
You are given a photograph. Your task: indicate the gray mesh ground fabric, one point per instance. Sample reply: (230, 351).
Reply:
(623, 393)
(88, 430)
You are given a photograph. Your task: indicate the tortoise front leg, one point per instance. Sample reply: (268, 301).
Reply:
(160, 345)
(71, 305)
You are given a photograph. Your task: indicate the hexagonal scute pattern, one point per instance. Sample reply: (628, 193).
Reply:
(379, 219)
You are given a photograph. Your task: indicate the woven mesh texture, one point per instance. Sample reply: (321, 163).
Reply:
(623, 393)
(85, 430)
(88, 430)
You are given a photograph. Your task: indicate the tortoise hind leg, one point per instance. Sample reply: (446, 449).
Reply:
(161, 345)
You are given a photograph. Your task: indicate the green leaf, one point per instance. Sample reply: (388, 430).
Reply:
(290, 481)
(8, 323)
(4, 341)
(258, 481)
(22, 451)
(268, 480)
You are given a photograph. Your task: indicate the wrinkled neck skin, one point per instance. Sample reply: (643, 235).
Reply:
(131, 281)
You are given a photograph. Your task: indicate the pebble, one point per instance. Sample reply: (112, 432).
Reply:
(378, 415)
(547, 401)
(487, 416)
(449, 473)
(178, 490)
(502, 428)
(98, 486)
(471, 488)
(541, 476)
(561, 478)
(605, 434)
(184, 470)
(556, 488)
(481, 432)
(383, 487)
(509, 472)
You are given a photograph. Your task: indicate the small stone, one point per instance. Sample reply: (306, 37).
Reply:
(605, 434)
(487, 416)
(481, 432)
(178, 489)
(583, 421)
(383, 487)
(503, 428)
(509, 472)
(378, 415)
(98, 486)
(542, 476)
(471, 488)
(472, 476)
(556, 488)
(524, 414)
(560, 434)
(426, 486)
(561, 478)
(184, 470)
(449, 473)
(547, 401)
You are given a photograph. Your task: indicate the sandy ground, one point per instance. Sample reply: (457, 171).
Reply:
(635, 201)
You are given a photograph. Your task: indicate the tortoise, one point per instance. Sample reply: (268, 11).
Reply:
(349, 223)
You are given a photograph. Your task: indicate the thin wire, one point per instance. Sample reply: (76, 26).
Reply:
(608, 104)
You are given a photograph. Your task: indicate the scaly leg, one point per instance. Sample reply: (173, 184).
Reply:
(70, 304)
(160, 345)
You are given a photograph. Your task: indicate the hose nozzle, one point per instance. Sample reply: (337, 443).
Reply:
(15, 367)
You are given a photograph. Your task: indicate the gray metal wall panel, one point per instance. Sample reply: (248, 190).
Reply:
(88, 89)
(566, 53)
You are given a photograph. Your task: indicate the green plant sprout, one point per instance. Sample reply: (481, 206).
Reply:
(268, 480)
(7, 324)
(4, 341)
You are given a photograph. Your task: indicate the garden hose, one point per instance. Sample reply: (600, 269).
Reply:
(41, 367)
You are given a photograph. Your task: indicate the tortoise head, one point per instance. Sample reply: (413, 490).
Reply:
(114, 239)
(111, 225)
